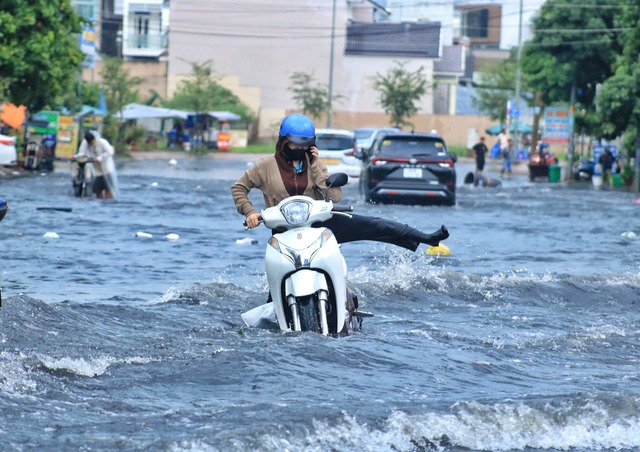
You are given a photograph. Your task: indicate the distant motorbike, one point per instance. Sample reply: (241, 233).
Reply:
(82, 176)
(306, 271)
(3, 208)
(583, 170)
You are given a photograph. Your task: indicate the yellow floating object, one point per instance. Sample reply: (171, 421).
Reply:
(440, 250)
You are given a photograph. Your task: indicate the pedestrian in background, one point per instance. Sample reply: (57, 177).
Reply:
(503, 140)
(606, 161)
(507, 158)
(480, 151)
(100, 151)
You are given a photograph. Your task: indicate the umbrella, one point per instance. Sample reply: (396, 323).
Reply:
(523, 129)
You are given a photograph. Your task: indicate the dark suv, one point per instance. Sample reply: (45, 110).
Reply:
(410, 168)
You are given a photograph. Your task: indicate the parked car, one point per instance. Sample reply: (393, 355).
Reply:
(365, 136)
(8, 153)
(336, 149)
(409, 168)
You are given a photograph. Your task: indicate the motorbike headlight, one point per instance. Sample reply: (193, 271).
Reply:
(296, 212)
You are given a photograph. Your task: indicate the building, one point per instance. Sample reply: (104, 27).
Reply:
(257, 46)
(135, 30)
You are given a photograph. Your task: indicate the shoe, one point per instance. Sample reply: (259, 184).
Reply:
(434, 238)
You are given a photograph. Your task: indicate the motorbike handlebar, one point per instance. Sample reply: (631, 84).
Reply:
(244, 223)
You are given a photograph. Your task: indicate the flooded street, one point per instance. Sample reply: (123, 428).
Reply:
(526, 338)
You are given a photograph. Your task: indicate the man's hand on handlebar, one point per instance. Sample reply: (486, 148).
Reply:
(252, 220)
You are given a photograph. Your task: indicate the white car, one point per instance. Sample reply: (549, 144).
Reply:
(8, 153)
(365, 136)
(336, 149)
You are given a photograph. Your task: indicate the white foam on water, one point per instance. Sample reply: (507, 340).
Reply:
(171, 293)
(93, 367)
(79, 366)
(404, 272)
(14, 377)
(473, 426)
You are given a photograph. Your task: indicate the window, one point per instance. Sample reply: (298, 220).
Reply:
(475, 23)
(407, 147)
(333, 142)
(87, 9)
(141, 24)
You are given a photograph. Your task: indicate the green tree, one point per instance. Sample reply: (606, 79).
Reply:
(400, 90)
(311, 98)
(89, 95)
(39, 52)
(496, 87)
(618, 100)
(202, 93)
(119, 90)
(572, 49)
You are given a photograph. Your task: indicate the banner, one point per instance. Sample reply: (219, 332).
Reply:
(558, 122)
(88, 46)
(51, 128)
(67, 143)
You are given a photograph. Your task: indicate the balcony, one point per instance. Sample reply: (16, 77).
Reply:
(145, 45)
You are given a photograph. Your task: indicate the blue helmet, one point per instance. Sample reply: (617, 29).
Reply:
(298, 129)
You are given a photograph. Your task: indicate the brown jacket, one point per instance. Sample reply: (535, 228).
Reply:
(266, 176)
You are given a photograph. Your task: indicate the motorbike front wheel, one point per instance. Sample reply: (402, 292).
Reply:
(308, 314)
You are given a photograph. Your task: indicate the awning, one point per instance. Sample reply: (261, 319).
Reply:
(224, 115)
(88, 110)
(140, 111)
(523, 129)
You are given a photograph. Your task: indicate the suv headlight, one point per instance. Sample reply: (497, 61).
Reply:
(296, 212)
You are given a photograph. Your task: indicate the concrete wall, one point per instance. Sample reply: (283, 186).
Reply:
(154, 74)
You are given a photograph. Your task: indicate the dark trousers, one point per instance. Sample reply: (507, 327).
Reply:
(360, 227)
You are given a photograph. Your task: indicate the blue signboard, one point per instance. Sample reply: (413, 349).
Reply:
(88, 46)
(558, 124)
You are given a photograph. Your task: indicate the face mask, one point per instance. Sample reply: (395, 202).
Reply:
(293, 154)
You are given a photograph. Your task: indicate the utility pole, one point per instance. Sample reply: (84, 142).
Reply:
(636, 169)
(330, 93)
(572, 102)
(516, 139)
(537, 111)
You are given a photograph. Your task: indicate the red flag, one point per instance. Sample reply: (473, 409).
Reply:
(12, 115)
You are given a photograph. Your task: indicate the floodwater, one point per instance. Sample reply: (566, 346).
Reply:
(526, 338)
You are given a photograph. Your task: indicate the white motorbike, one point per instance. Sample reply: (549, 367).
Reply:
(306, 271)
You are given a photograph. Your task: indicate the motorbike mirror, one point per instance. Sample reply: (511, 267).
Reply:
(337, 180)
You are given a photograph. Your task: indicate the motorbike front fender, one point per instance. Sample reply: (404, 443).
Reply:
(305, 282)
